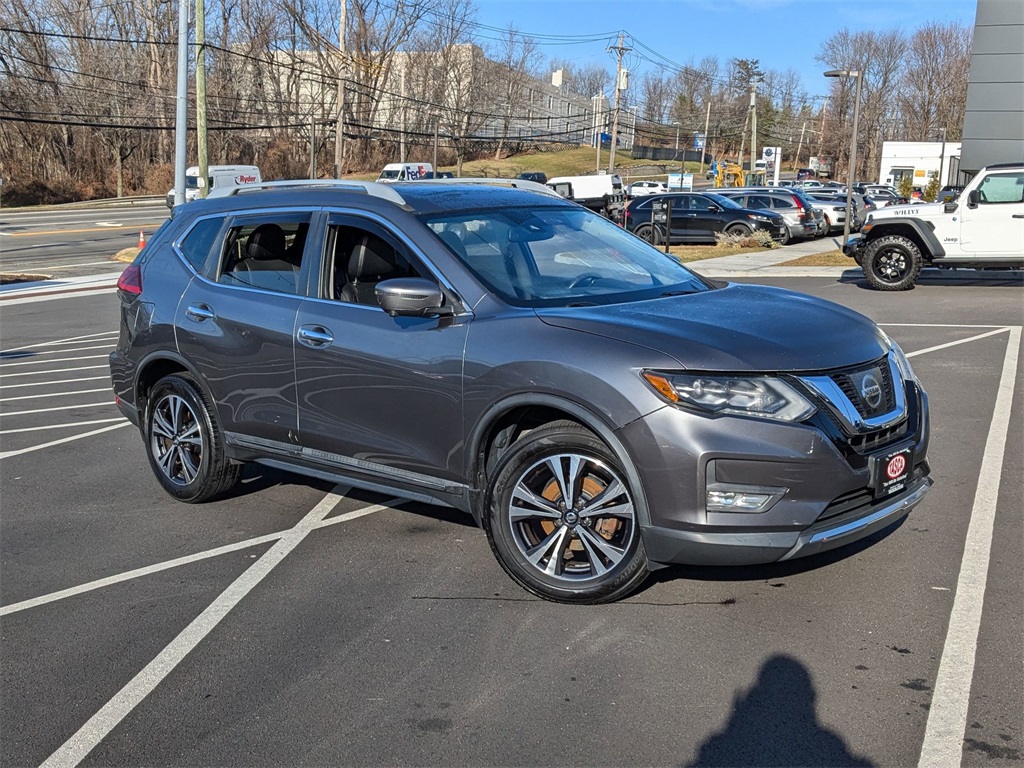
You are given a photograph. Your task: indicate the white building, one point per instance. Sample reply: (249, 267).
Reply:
(921, 161)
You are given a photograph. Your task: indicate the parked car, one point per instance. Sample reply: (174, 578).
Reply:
(805, 173)
(538, 176)
(640, 188)
(796, 210)
(947, 194)
(697, 217)
(834, 213)
(596, 407)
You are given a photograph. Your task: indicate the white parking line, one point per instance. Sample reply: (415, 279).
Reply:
(955, 343)
(75, 749)
(947, 717)
(5, 364)
(68, 340)
(937, 325)
(65, 425)
(71, 439)
(186, 560)
(55, 394)
(6, 354)
(59, 407)
(50, 384)
(58, 370)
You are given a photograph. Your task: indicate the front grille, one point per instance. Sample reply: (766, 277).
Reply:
(842, 504)
(880, 438)
(852, 384)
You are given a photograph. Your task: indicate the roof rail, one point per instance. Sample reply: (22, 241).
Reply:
(382, 191)
(531, 186)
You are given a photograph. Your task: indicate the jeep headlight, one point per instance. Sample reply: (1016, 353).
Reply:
(761, 396)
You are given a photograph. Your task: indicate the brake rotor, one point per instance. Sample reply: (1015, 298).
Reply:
(605, 527)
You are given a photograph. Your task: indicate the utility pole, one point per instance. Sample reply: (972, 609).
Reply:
(181, 108)
(942, 159)
(437, 130)
(201, 145)
(753, 123)
(598, 106)
(704, 144)
(402, 150)
(621, 50)
(339, 126)
(743, 138)
(800, 146)
(821, 132)
(312, 144)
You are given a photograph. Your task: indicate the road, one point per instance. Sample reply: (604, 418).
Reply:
(301, 623)
(63, 242)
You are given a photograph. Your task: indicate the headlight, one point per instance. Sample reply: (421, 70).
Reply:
(761, 396)
(906, 371)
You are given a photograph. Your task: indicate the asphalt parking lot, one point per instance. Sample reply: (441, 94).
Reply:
(301, 623)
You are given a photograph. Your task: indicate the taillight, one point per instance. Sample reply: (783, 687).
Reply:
(130, 280)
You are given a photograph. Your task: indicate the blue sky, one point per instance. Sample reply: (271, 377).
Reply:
(782, 34)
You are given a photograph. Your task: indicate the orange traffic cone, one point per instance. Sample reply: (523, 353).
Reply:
(142, 240)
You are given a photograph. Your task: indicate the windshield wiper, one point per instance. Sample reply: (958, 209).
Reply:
(677, 293)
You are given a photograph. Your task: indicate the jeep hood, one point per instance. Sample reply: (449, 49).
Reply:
(736, 328)
(917, 211)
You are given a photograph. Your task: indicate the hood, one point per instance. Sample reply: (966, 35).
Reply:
(737, 328)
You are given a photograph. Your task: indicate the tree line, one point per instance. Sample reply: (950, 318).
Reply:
(87, 91)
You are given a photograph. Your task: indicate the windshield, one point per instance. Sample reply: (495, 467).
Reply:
(389, 174)
(556, 257)
(723, 201)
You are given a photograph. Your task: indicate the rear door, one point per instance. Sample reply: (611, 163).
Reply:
(236, 322)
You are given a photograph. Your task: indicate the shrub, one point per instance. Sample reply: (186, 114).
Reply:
(756, 239)
(931, 192)
(906, 187)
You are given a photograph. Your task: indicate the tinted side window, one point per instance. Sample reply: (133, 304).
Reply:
(697, 204)
(265, 252)
(759, 202)
(783, 203)
(361, 259)
(198, 243)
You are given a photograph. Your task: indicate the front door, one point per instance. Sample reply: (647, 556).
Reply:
(378, 394)
(236, 323)
(994, 227)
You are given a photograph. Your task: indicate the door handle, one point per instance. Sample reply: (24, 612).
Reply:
(315, 336)
(199, 312)
(1018, 215)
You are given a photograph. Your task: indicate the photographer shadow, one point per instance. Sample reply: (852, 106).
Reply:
(775, 724)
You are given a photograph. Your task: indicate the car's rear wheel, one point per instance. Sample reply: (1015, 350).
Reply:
(561, 517)
(650, 233)
(891, 263)
(184, 442)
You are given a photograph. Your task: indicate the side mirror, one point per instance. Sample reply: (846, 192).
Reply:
(972, 199)
(411, 297)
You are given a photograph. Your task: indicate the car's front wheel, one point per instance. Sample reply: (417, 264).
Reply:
(891, 263)
(561, 517)
(184, 442)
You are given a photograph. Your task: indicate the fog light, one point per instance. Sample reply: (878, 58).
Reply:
(725, 497)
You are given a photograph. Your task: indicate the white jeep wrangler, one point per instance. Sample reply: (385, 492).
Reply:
(983, 228)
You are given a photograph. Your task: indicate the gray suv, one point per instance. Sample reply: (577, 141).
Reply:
(599, 409)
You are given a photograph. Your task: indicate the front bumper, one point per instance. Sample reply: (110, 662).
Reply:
(826, 482)
(854, 246)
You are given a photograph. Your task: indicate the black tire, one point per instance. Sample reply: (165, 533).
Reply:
(650, 233)
(891, 263)
(787, 236)
(828, 225)
(574, 554)
(737, 229)
(184, 442)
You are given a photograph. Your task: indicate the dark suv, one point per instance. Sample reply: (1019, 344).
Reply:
(598, 408)
(697, 218)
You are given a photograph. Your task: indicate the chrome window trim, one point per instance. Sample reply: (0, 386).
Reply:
(839, 404)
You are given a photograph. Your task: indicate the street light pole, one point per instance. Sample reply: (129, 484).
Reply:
(853, 145)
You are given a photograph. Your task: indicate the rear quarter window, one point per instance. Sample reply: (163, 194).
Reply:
(197, 244)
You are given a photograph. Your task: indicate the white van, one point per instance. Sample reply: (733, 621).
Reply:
(221, 178)
(602, 192)
(406, 172)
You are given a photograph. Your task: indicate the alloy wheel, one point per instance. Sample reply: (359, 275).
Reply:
(176, 439)
(892, 265)
(572, 517)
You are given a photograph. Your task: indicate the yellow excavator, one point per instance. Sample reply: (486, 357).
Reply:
(733, 175)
